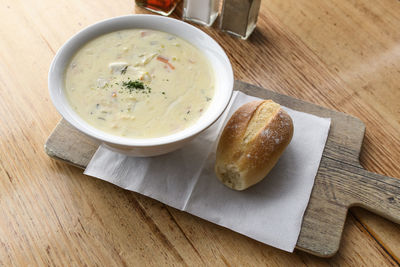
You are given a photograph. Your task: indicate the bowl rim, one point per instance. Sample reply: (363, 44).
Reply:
(61, 103)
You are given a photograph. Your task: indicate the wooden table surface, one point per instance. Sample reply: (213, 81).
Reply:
(344, 55)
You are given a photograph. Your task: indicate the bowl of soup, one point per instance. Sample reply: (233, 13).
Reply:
(143, 84)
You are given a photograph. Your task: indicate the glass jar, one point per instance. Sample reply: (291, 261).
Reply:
(163, 7)
(202, 12)
(239, 17)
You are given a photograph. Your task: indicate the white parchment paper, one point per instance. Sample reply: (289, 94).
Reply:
(270, 212)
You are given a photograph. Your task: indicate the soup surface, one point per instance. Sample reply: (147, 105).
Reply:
(139, 83)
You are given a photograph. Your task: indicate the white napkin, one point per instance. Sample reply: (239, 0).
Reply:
(270, 212)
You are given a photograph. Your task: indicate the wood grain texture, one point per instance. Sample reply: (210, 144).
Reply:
(53, 215)
(340, 182)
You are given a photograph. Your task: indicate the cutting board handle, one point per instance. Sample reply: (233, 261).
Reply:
(377, 193)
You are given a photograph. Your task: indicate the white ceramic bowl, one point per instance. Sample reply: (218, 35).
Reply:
(151, 146)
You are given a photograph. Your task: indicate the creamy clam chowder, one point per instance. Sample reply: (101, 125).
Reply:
(139, 83)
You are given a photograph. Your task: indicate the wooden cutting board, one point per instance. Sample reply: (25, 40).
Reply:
(340, 183)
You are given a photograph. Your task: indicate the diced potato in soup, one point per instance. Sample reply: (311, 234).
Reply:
(139, 83)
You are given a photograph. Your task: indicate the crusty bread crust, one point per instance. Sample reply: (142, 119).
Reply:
(251, 143)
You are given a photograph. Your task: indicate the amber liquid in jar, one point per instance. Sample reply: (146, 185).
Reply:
(163, 7)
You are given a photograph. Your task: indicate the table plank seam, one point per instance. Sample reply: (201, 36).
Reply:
(362, 227)
(183, 232)
(155, 229)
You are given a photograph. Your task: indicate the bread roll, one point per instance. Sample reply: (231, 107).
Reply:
(252, 142)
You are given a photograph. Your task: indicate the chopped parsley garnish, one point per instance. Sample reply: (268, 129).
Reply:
(136, 86)
(133, 84)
